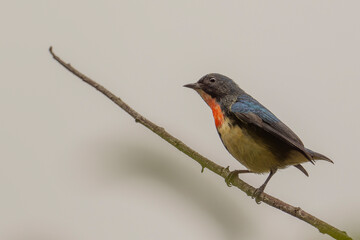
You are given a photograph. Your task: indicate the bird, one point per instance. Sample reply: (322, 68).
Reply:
(250, 132)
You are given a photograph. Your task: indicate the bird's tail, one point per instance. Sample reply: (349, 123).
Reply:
(318, 156)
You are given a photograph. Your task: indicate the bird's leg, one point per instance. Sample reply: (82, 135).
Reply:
(260, 190)
(232, 174)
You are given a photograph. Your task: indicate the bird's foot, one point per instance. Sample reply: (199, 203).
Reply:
(230, 177)
(260, 190)
(257, 193)
(233, 174)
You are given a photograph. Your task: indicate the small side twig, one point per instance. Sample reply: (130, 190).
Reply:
(297, 212)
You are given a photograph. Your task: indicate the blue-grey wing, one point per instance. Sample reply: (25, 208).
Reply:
(250, 111)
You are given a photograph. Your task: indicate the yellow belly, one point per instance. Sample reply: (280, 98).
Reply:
(254, 155)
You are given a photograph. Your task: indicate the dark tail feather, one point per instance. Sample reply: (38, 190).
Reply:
(301, 168)
(318, 156)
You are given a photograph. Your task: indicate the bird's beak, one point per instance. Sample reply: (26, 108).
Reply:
(193, 86)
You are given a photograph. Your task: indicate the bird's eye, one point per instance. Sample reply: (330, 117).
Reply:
(212, 80)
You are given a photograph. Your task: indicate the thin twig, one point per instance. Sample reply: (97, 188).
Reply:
(297, 212)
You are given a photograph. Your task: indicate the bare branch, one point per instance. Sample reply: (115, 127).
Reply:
(297, 212)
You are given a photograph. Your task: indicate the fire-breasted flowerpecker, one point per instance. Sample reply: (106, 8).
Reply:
(250, 132)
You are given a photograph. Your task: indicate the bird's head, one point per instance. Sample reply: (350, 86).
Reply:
(215, 86)
(219, 92)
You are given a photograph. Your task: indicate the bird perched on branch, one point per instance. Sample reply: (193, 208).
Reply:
(250, 132)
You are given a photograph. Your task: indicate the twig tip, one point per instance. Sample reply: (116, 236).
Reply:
(50, 50)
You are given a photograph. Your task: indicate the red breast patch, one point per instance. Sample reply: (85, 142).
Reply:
(215, 107)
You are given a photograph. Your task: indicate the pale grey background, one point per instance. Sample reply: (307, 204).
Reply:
(74, 166)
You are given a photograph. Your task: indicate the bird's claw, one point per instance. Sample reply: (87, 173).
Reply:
(230, 177)
(257, 193)
(232, 174)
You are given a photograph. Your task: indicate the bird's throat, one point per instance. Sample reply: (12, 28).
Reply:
(215, 107)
